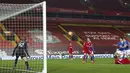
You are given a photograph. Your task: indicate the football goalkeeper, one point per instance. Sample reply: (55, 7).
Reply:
(21, 50)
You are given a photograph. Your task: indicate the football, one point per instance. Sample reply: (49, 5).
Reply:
(70, 33)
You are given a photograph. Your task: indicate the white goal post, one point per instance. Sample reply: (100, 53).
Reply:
(18, 21)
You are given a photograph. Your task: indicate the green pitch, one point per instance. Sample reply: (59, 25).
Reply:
(6, 66)
(76, 66)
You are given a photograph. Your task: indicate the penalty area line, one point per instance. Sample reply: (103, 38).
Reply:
(19, 70)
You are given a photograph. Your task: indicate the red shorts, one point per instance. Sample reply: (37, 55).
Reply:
(87, 51)
(70, 51)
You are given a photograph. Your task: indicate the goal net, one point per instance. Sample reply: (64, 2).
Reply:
(22, 30)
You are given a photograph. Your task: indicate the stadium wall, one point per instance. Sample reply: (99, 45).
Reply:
(74, 11)
(78, 20)
(58, 57)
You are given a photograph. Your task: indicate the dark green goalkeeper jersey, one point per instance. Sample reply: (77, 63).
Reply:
(21, 49)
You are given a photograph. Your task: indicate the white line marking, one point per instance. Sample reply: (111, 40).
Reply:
(19, 70)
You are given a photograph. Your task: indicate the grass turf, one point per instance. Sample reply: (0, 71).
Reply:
(105, 65)
(6, 66)
(65, 66)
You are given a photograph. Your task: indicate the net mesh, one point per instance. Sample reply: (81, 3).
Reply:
(17, 23)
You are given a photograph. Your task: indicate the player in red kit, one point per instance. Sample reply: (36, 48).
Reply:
(88, 49)
(70, 50)
(121, 60)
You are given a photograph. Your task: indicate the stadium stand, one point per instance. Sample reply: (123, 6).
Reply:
(28, 29)
(62, 45)
(102, 37)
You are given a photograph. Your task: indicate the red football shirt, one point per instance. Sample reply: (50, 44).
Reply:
(122, 61)
(70, 49)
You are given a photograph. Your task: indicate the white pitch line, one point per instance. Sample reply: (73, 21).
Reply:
(18, 69)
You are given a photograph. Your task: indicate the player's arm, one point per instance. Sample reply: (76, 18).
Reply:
(116, 45)
(84, 45)
(14, 51)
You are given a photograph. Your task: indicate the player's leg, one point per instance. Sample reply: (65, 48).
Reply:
(128, 53)
(91, 54)
(26, 62)
(16, 60)
(71, 56)
(119, 54)
(92, 57)
(117, 61)
(116, 54)
(124, 54)
(84, 57)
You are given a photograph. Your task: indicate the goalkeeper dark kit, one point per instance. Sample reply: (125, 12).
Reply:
(21, 50)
